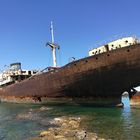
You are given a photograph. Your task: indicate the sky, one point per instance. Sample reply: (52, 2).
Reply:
(79, 25)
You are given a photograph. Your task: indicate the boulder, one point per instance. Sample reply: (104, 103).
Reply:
(81, 134)
(73, 124)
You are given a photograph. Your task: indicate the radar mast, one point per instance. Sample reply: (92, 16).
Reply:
(53, 46)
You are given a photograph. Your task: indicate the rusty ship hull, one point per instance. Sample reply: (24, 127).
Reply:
(103, 77)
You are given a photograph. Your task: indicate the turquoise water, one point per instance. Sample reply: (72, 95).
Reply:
(21, 121)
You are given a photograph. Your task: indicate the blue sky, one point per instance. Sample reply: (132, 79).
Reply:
(79, 26)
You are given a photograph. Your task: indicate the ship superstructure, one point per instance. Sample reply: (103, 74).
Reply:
(14, 74)
(120, 43)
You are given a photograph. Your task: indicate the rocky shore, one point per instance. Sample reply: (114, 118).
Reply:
(66, 128)
(60, 128)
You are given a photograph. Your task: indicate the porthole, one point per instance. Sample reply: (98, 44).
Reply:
(128, 50)
(126, 41)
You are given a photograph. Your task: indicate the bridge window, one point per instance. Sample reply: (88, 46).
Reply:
(29, 72)
(107, 47)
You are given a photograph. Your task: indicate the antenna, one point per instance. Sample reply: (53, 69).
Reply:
(53, 46)
(52, 33)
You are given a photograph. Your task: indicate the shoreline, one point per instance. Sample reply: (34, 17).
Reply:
(66, 128)
(60, 128)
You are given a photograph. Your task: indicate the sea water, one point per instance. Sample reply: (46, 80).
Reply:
(24, 121)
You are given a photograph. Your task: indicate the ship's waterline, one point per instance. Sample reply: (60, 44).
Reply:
(106, 101)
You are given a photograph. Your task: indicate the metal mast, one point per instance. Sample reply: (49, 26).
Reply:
(53, 46)
(52, 33)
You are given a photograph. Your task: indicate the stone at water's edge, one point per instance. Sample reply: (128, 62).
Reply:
(120, 105)
(67, 128)
(135, 100)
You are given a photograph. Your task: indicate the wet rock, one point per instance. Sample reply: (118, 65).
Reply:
(75, 118)
(45, 133)
(67, 122)
(36, 138)
(73, 124)
(57, 121)
(59, 137)
(56, 131)
(64, 125)
(121, 105)
(70, 133)
(24, 116)
(91, 136)
(28, 115)
(67, 128)
(44, 108)
(81, 134)
(30, 110)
